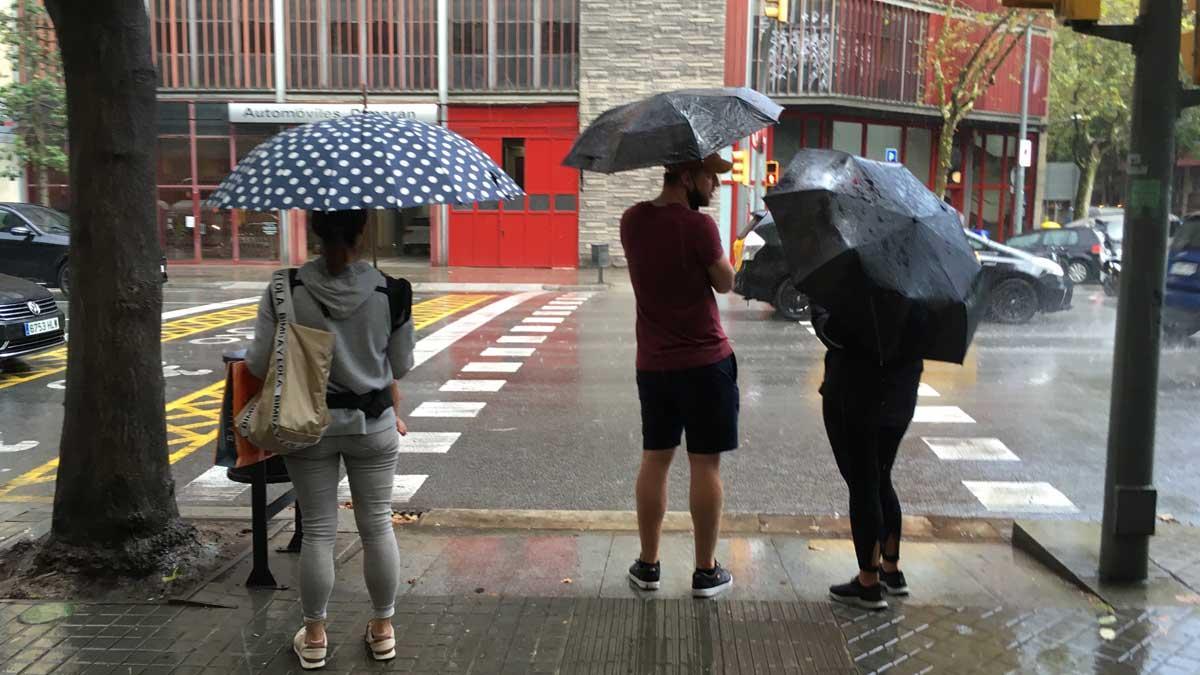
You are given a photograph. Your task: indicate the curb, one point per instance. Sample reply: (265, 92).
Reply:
(426, 287)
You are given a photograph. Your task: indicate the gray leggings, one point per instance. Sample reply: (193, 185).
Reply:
(370, 465)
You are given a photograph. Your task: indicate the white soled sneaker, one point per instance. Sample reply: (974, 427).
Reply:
(312, 657)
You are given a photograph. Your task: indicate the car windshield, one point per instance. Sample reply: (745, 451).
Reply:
(46, 220)
(1188, 236)
(1113, 227)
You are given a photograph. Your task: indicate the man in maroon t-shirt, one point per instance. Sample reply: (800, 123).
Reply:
(686, 370)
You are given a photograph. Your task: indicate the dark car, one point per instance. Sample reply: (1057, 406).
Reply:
(34, 241)
(1181, 313)
(1081, 249)
(1018, 284)
(762, 272)
(30, 320)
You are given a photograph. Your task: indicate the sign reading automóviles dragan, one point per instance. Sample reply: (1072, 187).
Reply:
(303, 113)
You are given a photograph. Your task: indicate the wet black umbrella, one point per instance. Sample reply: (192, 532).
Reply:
(869, 241)
(670, 128)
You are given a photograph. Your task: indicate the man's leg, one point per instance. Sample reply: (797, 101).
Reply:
(706, 500)
(651, 495)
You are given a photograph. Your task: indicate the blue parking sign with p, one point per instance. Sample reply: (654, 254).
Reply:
(891, 155)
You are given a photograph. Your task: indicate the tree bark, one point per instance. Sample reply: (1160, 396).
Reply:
(1087, 182)
(43, 186)
(945, 156)
(115, 499)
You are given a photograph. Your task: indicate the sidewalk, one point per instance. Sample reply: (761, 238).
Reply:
(423, 277)
(556, 601)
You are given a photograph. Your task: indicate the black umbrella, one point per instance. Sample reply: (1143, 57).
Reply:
(670, 128)
(869, 241)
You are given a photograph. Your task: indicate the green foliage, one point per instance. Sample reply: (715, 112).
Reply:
(34, 102)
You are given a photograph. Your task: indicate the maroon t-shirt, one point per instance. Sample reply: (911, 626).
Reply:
(669, 249)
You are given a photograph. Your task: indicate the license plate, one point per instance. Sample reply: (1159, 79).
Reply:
(1184, 269)
(39, 327)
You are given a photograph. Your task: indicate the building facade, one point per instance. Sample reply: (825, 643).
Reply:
(520, 78)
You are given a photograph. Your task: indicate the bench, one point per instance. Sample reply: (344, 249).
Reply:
(258, 477)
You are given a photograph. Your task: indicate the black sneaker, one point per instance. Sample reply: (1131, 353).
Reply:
(645, 576)
(711, 583)
(893, 582)
(857, 595)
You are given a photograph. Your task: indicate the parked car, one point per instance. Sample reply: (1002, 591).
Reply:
(1018, 284)
(30, 320)
(1181, 313)
(762, 272)
(1081, 249)
(34, 241)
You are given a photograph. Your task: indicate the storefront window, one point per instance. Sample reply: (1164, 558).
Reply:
(787, 139)
(216, 232)
(212, 160)
(812, 133)
(175, 223)
(918, 152)
(174, 161)
(880, 139)
(847, 137)
(258, 235)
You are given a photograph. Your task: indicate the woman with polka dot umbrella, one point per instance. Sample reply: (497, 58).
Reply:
(370, 160)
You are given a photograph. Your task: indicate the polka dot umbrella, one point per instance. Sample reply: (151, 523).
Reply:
(370, 160)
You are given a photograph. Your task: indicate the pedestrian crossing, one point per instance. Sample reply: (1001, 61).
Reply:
(1027, 497)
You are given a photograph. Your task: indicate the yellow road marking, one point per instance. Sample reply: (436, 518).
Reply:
(55, 360)
(193, 420)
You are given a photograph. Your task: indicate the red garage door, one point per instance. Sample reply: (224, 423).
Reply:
(540, 229)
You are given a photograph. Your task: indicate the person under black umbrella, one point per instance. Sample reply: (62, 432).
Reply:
(893, 282)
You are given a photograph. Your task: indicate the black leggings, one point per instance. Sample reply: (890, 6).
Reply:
(867, 411)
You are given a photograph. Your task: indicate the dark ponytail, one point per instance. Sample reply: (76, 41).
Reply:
(339, 229)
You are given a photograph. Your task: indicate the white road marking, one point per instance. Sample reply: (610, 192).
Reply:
(433, 442)
(542, 319)
(521, 339)
(811, 330)
(544, 312)
(403, 487)
(200, 309)
(927, 391)
(971, 449)
(19, 446)
(492, 367)
(432, 345)
(1020, 497)
(473, 385)
(508, 351)
(941, 414)
(213, 486)
(533, 329)
(448, 409)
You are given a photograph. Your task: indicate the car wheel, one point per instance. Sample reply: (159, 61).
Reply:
(790, 303)
(64, 280)
(1013, 301)
(1079, 271)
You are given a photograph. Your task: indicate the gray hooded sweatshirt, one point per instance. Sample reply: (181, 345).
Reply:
(367, 354)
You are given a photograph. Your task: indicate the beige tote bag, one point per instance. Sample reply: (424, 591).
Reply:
(290, 413)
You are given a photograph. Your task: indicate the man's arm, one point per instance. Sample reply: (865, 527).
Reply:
(720, 275)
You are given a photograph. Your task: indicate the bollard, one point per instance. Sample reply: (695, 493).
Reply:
(600, 259)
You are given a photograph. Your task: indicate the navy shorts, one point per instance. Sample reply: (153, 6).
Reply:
(702, 401)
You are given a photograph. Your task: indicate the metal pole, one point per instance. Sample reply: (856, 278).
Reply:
(1019, 205)
(279, 30)
(443, 75)
(1129, 494)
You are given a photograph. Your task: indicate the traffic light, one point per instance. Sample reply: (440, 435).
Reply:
(741, 167)
(776, 9)
(1066, 11)
(772, 177)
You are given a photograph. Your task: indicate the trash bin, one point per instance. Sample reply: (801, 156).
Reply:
(600, 258)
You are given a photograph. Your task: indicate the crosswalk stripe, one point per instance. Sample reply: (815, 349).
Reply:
(533, 329)
(941, 414)
(543, 319)
(508, 351)
(473, 385)
(213, 486)
(521, 339)
(551, 312)
(927, 391)
(971, 449)
(404, 486)
(492, 367)
(434, 344)
(448, 409)
(431, 442)
(1020, 497)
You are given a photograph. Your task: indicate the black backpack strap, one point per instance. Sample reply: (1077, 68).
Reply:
(399, 294)
(294, 281)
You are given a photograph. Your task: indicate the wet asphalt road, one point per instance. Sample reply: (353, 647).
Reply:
(1029, 412)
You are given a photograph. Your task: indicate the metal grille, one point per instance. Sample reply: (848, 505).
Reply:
(18, 311)
(514, 45)
(213, 44)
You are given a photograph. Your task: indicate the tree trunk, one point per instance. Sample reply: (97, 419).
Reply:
(945, 156)
(1087, 182)
(43, 177)
(114, 501)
